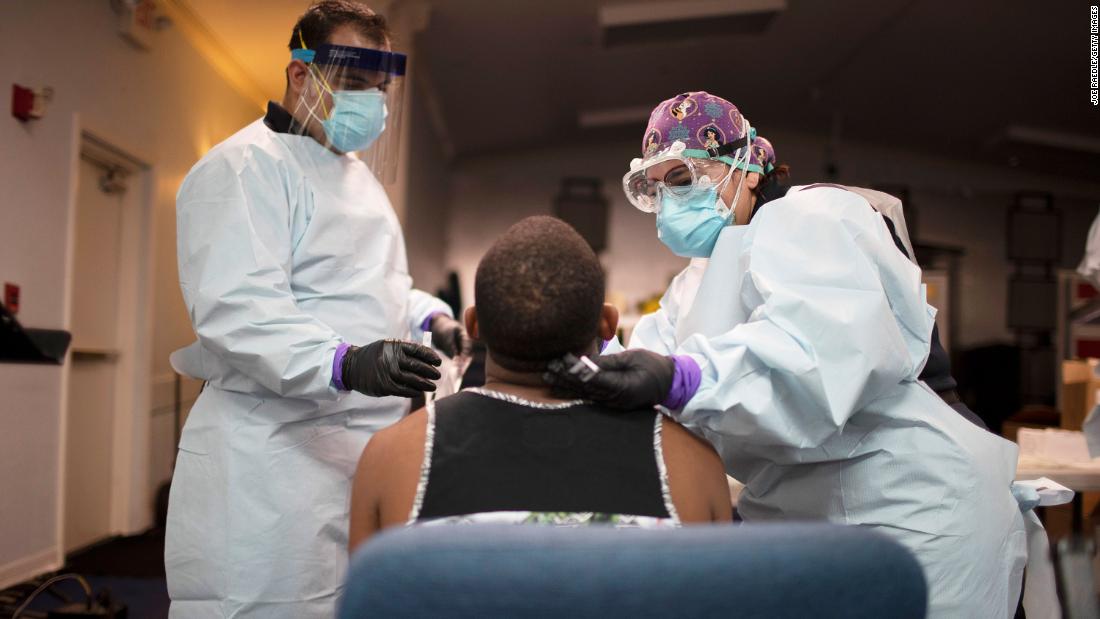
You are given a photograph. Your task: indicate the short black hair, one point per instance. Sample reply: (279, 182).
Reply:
(315, 26)
(538, 291)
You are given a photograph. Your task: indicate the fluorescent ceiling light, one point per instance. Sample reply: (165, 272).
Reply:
(613, 117)
(638, 13)
(1053, 139)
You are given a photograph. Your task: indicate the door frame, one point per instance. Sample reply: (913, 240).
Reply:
(130, 504)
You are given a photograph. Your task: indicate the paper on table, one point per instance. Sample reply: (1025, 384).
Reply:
(1064, 446)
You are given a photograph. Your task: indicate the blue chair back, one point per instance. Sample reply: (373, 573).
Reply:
(529, 572)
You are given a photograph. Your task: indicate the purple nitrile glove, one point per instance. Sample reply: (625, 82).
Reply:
(448, 335)
(338, 367)
(426, 326)
(685, 382)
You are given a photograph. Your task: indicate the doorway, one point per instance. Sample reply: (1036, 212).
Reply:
(105, 419)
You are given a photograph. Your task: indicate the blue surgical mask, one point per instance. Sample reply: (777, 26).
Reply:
(358, 118)
(690, 225)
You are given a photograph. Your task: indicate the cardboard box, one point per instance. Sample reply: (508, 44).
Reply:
(1078, 396)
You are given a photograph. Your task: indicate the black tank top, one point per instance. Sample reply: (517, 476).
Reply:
(489, 452)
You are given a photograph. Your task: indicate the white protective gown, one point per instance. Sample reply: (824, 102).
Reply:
(1090, 262)
(285, 250)
(811, 329)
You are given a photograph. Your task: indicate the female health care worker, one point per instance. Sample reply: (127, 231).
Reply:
(794, 343)
(293, 271)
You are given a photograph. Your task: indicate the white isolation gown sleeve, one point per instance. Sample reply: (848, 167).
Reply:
(234, 245)
(656, 331)
(421, 306)
(1090, 262)
(836, 319)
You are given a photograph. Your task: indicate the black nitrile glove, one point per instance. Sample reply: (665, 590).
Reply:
(449, 337)
(390, 367)
(628, 380)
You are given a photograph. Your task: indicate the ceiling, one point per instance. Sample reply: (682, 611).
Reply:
(934, 75)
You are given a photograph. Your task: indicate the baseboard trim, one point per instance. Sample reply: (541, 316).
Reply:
(28, 567)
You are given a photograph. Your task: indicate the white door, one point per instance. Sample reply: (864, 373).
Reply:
(93, 376)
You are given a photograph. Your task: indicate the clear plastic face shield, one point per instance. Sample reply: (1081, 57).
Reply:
(355, 95)
(689, 172)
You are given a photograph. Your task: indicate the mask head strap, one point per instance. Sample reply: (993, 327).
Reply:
(307, 56)
(304, 54)
(729, 147)
(749, 133)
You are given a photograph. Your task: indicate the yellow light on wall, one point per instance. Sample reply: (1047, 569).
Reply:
(202, 144)
(214, 51)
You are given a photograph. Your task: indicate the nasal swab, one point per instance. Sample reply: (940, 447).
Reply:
(429, 396)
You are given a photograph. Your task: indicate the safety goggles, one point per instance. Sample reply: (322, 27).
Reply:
(684, 172)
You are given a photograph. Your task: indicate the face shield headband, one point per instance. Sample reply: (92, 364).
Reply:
(365, 88)
(361, 58)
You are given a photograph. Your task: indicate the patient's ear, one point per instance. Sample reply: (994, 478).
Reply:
(752, 180)
(470, 318)
(609, 321)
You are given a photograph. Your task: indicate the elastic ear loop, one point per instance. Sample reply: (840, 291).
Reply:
(742, 160)
(319, 81)
(316, 73)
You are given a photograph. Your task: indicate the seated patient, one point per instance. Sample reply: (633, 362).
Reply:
(511, 451)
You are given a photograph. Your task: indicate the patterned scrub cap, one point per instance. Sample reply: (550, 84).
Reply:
(698, 119)
(762, 157)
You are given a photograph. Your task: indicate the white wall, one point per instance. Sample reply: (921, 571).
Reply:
(427, 193)
(166, 107)
(958, 204)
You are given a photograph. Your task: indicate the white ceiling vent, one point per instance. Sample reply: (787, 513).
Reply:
(668, 21)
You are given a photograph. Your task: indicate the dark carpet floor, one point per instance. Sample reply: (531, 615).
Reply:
(131, 569)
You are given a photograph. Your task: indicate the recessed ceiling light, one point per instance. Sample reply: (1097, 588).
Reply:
(1052, 139)
(613, 117)
(657, 22)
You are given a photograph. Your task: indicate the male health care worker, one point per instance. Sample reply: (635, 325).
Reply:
(293, 270)
(795, 343)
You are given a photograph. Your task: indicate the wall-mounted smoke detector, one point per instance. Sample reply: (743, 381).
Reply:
(139, 21)
(687, 20)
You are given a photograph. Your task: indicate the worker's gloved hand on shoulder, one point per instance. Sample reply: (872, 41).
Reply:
(390, 367)
(449, 336)
(628, 380)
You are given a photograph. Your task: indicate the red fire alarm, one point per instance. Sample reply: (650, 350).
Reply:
(11, 298)
(28, 104)
(22, 102)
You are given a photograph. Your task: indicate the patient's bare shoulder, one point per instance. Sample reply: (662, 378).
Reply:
(696, 476)
(392, 449)
(410, 428)
(385, 480)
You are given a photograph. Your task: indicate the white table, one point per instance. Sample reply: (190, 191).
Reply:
(1077, 478)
